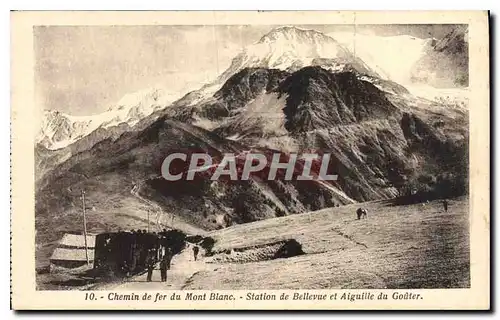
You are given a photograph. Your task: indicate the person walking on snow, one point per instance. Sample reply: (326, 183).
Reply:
(445, 205)
(195, 252)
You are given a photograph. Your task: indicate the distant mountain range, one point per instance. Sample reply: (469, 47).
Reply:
(294, 90)
(402, 59)
(59, 130)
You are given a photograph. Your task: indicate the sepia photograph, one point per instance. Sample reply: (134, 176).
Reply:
(251, 156)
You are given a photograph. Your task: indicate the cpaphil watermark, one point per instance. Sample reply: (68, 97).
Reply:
(246, 165)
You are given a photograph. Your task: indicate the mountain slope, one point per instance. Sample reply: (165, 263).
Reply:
(118, 175)
(373, 148)
(284, 48)
(318, 99)
(382, 141)
(396, 247)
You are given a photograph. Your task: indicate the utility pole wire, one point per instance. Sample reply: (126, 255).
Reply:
(85, 227)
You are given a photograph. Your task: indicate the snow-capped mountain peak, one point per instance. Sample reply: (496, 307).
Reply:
(292, 33)
(292, 48)
(59, 129)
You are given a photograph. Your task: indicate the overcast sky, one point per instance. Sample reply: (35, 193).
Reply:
(83, 70)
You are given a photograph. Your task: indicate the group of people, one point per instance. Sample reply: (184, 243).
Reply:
(135, 250)
(129, 253)
(159, 255)
(165, 260)
(164, 265)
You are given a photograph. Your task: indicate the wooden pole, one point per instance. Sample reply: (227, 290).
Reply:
(148, 220)
(85, 227)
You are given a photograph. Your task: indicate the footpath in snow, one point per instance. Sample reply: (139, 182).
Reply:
(182, 268)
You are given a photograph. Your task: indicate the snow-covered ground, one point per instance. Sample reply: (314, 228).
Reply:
(395, 247)
(391, 57)
(449, 95)
(394, 57)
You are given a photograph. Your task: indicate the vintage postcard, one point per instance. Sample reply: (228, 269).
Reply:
(250, 160)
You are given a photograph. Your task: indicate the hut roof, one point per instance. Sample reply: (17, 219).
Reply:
(71, 254)
(77, 241)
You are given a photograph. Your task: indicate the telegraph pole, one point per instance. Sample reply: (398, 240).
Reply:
(85, 227)
(148, 220)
